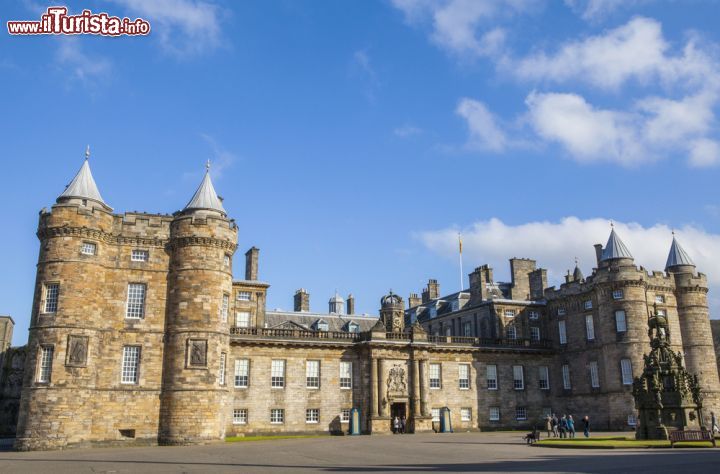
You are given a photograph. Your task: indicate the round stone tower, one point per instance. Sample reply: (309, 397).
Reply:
(197, 342)
(66, 319)
(392, 312)
(693, 313)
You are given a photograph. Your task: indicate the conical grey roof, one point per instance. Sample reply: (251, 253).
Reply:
(578, 274)
(205, 197)
(677, 255)
(83, 186)
(615, 248)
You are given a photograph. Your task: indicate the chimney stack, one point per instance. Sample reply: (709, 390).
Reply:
(414, 300)
(431, 292)
(302, 301)
(598, 253)
(350, 304)
(251, 263)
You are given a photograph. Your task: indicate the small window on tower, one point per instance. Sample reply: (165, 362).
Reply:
(88, 248)
(139, 255)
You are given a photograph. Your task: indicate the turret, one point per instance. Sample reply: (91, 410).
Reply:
(392, 312)
(615, 252)
(693, 314)
(69, 315)
(195, 387)
(336, 304)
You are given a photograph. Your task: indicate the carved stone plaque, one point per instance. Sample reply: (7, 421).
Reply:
(396, 382)
(77, 351)
(197, 353)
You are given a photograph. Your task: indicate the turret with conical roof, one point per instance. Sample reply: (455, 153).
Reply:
(678, 257)
(82, 188)
(615, 249)
(197, 335)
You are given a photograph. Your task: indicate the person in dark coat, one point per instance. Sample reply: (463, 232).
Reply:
(586, 426)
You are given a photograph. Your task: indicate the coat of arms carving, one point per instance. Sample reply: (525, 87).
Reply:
(397, 382)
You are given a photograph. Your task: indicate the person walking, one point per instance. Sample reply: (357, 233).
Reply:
(586, 426)
(396, 425)
(563, 427)
(402, 425)
(548, 425)
(713, 424)
(571, 426)
(554, 426)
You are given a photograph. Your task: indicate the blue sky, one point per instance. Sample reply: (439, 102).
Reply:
(352, 140)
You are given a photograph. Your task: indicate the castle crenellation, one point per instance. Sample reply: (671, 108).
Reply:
(140, 335)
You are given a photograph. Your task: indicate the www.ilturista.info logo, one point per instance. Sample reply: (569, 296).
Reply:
(56, 21)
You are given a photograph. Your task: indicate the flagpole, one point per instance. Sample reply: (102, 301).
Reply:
(461, 262)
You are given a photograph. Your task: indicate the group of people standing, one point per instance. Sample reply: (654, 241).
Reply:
(398, 425)
(565, 427)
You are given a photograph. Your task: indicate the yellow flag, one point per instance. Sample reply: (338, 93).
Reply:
(460, 242)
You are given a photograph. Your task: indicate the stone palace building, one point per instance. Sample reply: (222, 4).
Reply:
(140, 334)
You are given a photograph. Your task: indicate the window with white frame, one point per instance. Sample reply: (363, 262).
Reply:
(345, 415)
(435, 376)
(534, 333)
(464, 376)
(594, 376)
(661, 312)
(225, 305)
(626, 371)
(534, 315)
(632, 420)
(509, 313)
(467, 329)
(223, 362)
(511, 332)
(242, 319)
(312, 415)
(562, 332)
(589, 328)
(277, 416)
(46, 359)
(243, 296)
(240, 416)
(139, 255)
(226, 260)
(353, 327)
(587, 304)
(322, 325)
(618, 294)
(88, 248)
(51, 297)
(277, 373)
(312, 374)
(345, 374)
(435, 415)
(660, 299)
(494, 414)
(491, 377)
(242, 373)
(620, 321)
(518, 377)
(130, 364)
(521, 413)
(544, 378)
(465, 414)
(136, 301)
(561, 312)
(566, 377)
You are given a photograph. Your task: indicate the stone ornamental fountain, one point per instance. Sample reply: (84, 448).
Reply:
(667, 397)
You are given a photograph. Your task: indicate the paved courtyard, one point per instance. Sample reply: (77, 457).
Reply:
(459, 452)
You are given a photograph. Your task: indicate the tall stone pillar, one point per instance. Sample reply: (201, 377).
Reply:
(381, 388)
(416, 388)
(423, 387)
(374, 384)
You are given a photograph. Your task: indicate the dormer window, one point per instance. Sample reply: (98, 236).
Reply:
(455, 305)
(353, 327)
(433, 312)
(321, 325)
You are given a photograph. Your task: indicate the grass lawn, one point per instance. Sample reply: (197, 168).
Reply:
(616, 442)
(237, 439)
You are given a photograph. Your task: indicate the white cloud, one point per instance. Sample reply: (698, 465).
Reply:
(83, 67)
(185, 27)
(220, 159)
(464, 27)
(555, 244)
(482, 125)
(704, 153)
(635, 51)
(407, 131)
(594, 10)
(587, 133)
